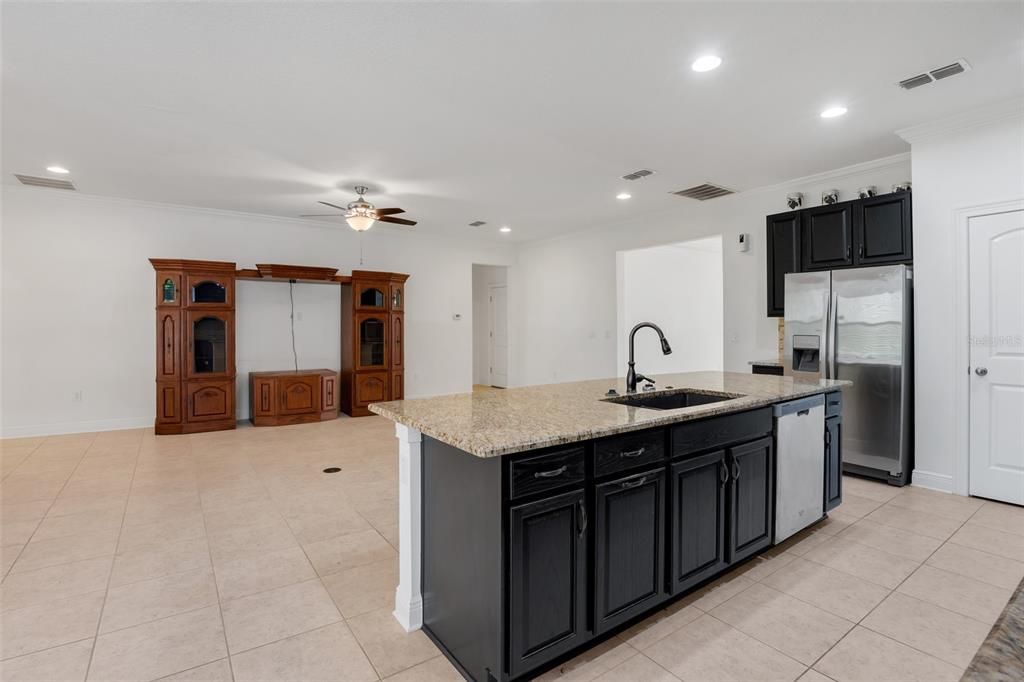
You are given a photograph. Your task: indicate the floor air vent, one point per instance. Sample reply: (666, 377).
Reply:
(933, 75)
(703, 192)
(52, 183)
(636, 175)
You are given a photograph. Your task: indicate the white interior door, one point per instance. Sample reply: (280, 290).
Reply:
(498, 336)
(996, 245)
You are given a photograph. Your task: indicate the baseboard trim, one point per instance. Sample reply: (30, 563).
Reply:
(931, 480)
(75, 427)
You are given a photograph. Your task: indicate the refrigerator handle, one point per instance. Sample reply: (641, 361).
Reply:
(827, 349)
(834, 334)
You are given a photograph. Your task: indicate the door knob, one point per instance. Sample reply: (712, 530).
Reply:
(981, 371)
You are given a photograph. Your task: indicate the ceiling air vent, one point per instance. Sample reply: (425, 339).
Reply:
(52, 183)
(478, 223)
(933, 75)
(636, 175)
(704, 192)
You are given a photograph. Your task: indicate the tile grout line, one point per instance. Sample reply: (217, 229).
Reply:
(113, 559)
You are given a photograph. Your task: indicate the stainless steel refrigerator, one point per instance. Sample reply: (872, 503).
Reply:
(857, 324)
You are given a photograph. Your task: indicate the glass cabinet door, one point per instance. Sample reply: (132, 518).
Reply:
(372, 339)
(371, 296)
(210, 346)
(209, 291)
(397, 297)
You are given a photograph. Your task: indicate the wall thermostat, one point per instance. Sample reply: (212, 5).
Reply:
(743, 243)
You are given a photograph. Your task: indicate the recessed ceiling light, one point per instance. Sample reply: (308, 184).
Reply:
(505, 228)
(708, 62)
(832, 112)
(623, 195)
(58, 169)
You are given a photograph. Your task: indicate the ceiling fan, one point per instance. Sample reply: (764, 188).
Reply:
(361, 214)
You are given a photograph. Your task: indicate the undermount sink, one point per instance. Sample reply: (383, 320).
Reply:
(673, 400)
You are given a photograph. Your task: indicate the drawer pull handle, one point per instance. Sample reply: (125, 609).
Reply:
(551, 474)
(803, 413)
(632, 453)
(634, 484)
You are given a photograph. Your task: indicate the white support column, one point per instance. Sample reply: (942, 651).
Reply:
(408, 598)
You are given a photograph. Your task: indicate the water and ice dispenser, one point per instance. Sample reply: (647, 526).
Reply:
(806, 352)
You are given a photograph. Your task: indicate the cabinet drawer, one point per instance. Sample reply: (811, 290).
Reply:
(629, 450)
(693, 437)
(548, 471)
(833, 404)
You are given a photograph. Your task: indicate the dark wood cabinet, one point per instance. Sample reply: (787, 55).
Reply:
(882, 230)
(698, 519)
(833, 463)
(195, 345)
(548, 579)
(783, 257)
(751, 467)
(827, 235)
(860, 233)
(373, 340)
(629, 547)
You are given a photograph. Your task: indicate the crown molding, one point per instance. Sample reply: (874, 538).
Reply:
(1005, 110)
(901, 159)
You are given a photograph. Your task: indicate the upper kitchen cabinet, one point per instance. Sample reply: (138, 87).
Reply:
(882, 230)
(860, 233)
(783, 257)
(828, 236)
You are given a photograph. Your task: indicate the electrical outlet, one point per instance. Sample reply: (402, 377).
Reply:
(76, 397)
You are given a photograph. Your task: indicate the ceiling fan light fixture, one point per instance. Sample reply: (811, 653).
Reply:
(359, 222)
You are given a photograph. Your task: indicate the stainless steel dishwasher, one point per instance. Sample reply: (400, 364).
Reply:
(800, 464)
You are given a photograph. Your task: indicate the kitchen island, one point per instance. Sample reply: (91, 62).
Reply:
(536, 521)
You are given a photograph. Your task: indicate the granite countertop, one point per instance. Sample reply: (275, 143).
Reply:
(502, 422)
(766, 363)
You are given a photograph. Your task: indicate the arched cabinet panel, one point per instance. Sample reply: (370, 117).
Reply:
(204, 290)
(210, 347)
(168, 340)
(210, 400)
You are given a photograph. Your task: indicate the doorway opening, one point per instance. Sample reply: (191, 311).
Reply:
(490, 326)
(678, 287)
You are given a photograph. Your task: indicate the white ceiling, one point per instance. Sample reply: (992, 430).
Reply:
(516, 113)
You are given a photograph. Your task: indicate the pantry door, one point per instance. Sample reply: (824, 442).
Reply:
(996, 280)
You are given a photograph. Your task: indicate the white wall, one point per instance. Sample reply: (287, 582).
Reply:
(77, 297)
(484, 276)
(565, 309)
(679, 288)
(957, 164)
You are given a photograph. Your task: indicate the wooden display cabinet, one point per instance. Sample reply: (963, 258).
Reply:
(293, 397)
(372, 340)
(195, 345)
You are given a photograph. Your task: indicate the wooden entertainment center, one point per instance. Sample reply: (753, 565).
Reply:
(195, 348)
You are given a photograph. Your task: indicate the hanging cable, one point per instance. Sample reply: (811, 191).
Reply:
(291, 299)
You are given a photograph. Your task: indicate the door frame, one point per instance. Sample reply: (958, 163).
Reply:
(490, 333)
(962, 328)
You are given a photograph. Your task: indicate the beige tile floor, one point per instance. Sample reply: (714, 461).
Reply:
(231, 556)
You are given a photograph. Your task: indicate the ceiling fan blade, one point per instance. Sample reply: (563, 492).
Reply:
(396, 221)
(340, 208)
(389, 211)
(321, 215)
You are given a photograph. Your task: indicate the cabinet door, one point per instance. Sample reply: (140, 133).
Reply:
(827, 233)
(371, 295)
(328, 392)
(397, 385)
(629, 539)
(371, 331)
(209, 290)
(262, 397)
(751, 498)
(168, 402)
(370, 388)
(298, 394)
(397, 297)
(547, 575)
(210, 344)
(883, 230)
(209, 400)
(783, 257)
(168, 348)
(397, 340)
(697, 526)
(833, 463)
(168, 289)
